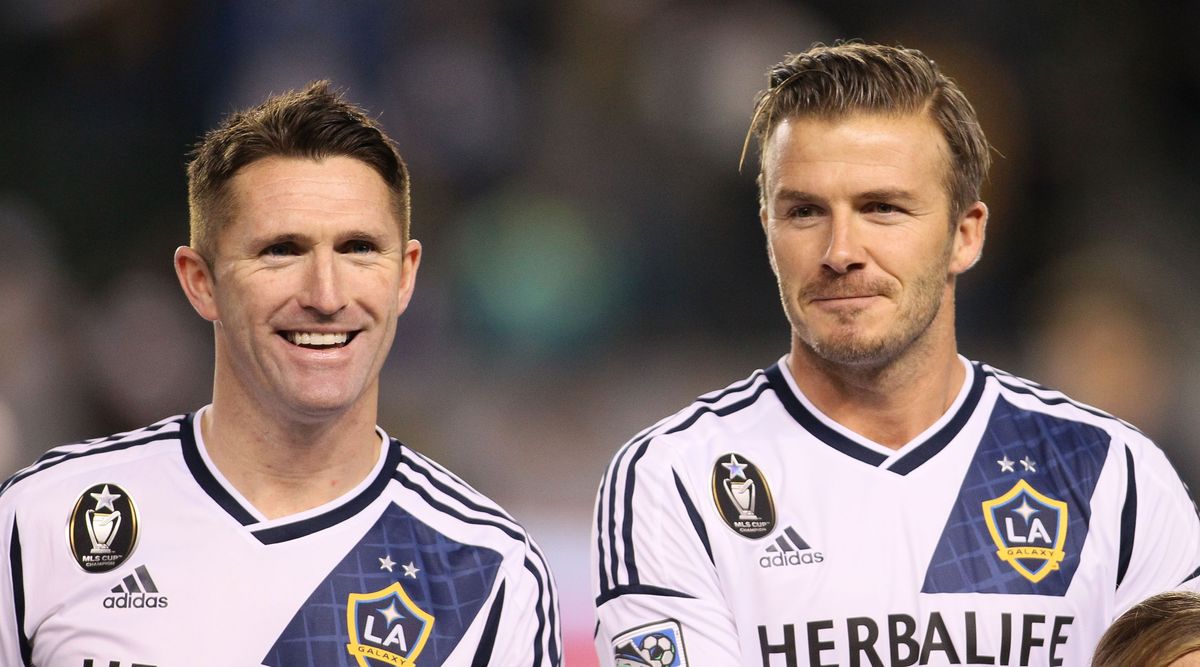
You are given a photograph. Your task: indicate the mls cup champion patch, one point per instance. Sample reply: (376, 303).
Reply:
(386, 627)
(742, 496)
(658, 644)
(1029, 529)
(103, 528)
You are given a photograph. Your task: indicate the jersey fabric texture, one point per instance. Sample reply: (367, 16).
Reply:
(751, 529)
(134, 550)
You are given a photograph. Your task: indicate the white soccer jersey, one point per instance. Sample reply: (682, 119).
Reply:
(751, 529)
(134, 550)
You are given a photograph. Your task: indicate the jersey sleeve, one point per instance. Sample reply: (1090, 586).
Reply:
(653, 576)
(1160, 529)
(523, 622)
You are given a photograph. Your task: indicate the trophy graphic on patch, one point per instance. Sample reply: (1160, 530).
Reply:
(103, 535)
(743, 495)
(102, 528)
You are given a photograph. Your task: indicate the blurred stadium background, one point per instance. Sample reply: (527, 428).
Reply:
(593, 258)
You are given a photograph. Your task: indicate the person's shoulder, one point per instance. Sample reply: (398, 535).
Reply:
(452, 497)
(1030, 396)
(59, 465)
(709, 416)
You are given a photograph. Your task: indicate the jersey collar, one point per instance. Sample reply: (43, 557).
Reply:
(915, 453)
(285, 528)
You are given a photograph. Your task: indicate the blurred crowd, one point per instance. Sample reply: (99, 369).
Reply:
(593, 257)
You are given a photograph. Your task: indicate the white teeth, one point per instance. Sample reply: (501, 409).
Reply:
(320, 339)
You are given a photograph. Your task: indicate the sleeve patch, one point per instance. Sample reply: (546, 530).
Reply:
(658, 644)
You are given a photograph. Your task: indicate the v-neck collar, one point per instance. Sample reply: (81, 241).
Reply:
(917, 452)
(292, 527)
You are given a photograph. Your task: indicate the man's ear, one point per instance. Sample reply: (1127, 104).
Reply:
(408, 277)
(969, 233)
(197, 282)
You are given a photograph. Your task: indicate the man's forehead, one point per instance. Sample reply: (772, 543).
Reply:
(855, 145)
(298, 196)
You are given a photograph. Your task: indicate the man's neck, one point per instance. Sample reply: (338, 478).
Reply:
(889, 404)
(283, 467)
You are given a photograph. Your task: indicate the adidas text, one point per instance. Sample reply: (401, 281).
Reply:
(791, 558)
(128, 601)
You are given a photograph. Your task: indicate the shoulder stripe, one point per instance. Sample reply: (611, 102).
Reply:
(1048, 396)
(618, 591)
(453, 485)
(694, 516)
(169, 430)
(1128, 518)
(549, 632)
(710, 398)
(17, 572)
(627, 525)
(624, 464)
(79, 445)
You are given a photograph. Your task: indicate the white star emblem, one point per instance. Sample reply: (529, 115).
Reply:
(1030, 466)
(1025, 510)
(386, 563)
(105, 499)
(1006, 464)
(410, 570)
(736, 468)
(391, 614)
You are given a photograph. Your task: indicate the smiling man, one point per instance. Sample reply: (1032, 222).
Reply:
(279, 525)
(874, 498)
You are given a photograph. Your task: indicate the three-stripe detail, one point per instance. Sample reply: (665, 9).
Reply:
(616, 557)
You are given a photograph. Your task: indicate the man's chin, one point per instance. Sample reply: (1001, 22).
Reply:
(319, 408)
(856, 351)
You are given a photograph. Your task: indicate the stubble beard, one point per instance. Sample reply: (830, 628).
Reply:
(850, 347)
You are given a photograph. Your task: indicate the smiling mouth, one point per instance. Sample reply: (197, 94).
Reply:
(318, 341)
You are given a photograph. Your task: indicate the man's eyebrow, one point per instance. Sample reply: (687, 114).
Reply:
(273, 239)
(888, 194)
(795, 195)
(361, 235)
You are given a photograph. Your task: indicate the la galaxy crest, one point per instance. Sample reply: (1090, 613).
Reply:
(1029, 529)
(102, 530)
(742, 496)
(386, 627)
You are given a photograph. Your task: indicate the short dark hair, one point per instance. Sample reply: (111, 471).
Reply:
(313, 123)
(852, 77)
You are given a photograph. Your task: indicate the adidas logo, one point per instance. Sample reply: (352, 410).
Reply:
(136, 592)
(790, 549)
